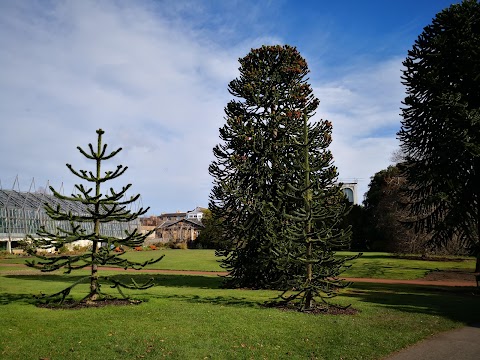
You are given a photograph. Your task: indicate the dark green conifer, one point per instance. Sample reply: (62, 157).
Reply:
(258, 164)
(440, 133)
(100, 209)
(252, 163)
(313, 220)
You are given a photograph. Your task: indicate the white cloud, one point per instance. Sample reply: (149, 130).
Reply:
(156, 91)
(156, 82)
(364, 107)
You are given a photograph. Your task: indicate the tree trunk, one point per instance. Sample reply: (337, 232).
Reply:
(94, 274)
(477, 169)
(308, 295)
(94, 290)
(308, 198)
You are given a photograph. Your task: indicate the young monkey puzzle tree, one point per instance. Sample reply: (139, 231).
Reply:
(313, 219)
(98, 209)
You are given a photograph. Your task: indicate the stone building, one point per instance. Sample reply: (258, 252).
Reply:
(175, 227)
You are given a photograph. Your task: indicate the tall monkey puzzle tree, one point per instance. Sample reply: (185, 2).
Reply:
(440, 132)
(256, 161)
(98, 209)
(251, 165)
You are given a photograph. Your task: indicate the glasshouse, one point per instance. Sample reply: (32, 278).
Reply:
(22, 214)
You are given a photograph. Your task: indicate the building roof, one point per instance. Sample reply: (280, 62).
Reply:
(169, 223)
(36, 201)
(173, 214)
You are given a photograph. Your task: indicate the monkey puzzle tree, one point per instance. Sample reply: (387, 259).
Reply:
(252, 163)
(313, 220)
(440, 133)
(256, 162)
(99, 209)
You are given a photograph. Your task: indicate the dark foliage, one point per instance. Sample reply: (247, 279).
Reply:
(440, 133)
(260, 170)
(210, 237)
(387, 215)
(356, 220)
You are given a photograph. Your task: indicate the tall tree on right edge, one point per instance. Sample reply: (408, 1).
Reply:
(440, 133)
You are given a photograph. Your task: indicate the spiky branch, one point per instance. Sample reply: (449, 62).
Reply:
(97, 209)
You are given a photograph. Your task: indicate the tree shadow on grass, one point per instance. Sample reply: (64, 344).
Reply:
(380, 270)
(213, 300)
(6, 298)
(63, 280)
(458, 304)
(172, 280)
(367, 256)
(165, 280)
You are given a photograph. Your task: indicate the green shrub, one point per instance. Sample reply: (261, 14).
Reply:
(182, 245)
(172, 244)
(63, 250)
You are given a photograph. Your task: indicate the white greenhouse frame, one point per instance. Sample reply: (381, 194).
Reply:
(23, 213)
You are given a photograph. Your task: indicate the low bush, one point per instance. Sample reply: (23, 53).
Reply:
(172, 244)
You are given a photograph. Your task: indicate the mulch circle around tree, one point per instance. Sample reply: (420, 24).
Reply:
(318, 309)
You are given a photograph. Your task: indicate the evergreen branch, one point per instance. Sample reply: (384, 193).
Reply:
(93, 152)
(86, 193)
(126, 264)
(56, 263)
(87, 155)
(112, 154)
(62, 197)
(82, 174)
(109, 175)
(65, 292)
(102, 153)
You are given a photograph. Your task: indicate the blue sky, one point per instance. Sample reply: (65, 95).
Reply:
(154, 76)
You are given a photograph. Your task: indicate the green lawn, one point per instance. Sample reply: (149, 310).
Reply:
(192, 317)
(389, 266)
(369, 265)
(201, 260)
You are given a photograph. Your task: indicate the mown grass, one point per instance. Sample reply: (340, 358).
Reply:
(389, 266)
(369, 265)
(191, 317)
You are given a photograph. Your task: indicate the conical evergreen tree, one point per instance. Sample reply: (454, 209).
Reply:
(314, 220)
(99, 209)
(440, 133)
(257, 160)
(252, 163)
